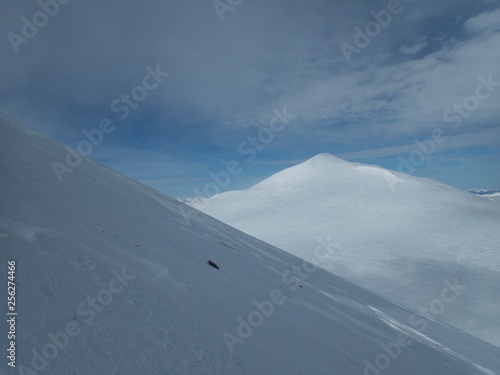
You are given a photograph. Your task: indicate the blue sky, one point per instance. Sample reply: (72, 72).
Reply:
(230, 71)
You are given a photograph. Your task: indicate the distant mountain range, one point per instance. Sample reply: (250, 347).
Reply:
(491, 194)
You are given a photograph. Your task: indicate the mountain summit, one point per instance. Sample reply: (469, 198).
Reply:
(398, 235)
(325, 157)
(327, 171)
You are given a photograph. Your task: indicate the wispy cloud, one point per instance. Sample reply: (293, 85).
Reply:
(488, 137)
(413, 49)
(484, 23)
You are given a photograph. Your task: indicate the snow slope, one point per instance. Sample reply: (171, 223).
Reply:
(397, 235)
(110, 272)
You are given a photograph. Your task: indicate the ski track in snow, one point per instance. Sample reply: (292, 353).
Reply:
(423, 339)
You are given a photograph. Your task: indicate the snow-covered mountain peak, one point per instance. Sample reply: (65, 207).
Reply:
(324, 158)
(322, 168)
(321, 163)
(326, 172)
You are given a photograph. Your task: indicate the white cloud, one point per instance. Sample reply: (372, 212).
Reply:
(402, 99)
(413, 49)
(485, 23)
(488, 137)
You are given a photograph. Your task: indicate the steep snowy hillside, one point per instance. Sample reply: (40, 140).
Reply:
(397, 235)
(111, 280)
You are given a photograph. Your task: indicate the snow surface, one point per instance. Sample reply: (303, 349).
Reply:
(397, 235)
(169, 314)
